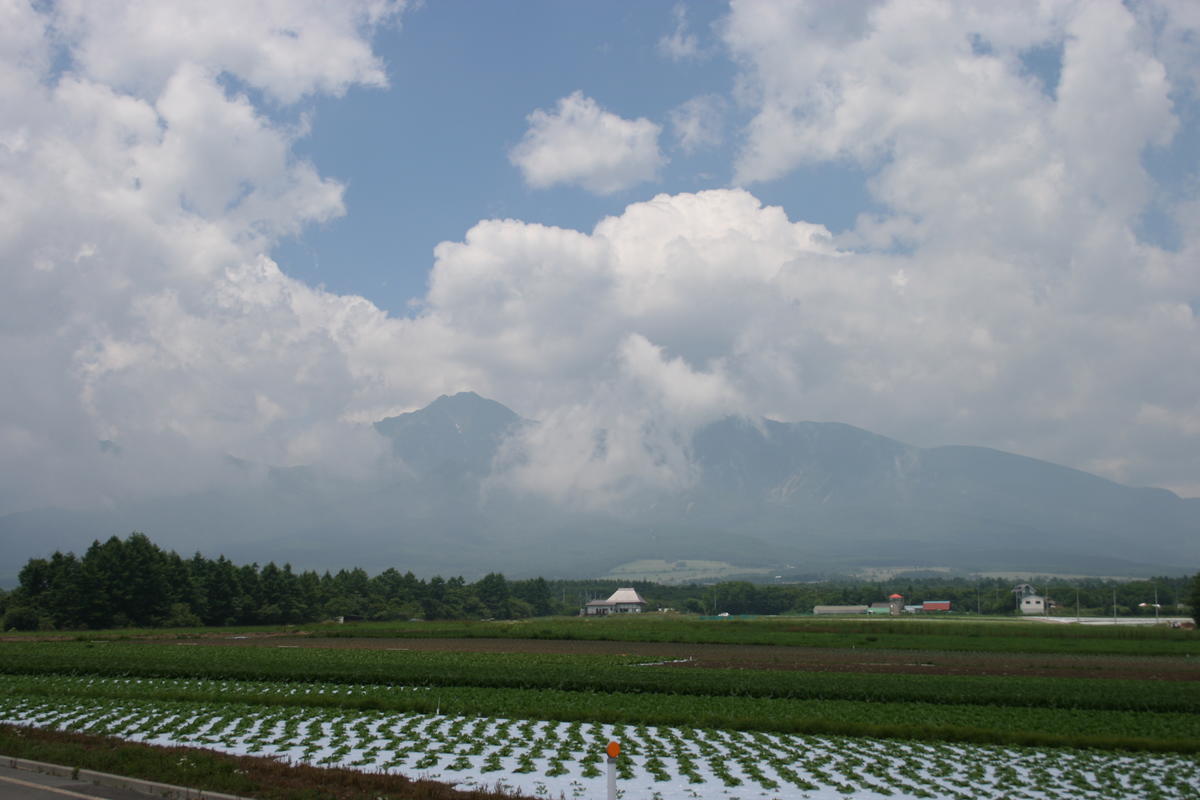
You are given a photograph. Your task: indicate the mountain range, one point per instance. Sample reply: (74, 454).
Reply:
(793, 499)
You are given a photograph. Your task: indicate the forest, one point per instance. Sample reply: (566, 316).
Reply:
(133, 582)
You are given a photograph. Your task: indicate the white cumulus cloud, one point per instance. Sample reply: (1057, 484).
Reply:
(581, 143)
(139, 192)
(287, 48)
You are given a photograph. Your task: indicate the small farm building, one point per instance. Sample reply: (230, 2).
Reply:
(894, 606)
(935, 605)
(1033, 604)
(622, 601)
(822, 610)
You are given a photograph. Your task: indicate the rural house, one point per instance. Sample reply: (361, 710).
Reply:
(1028, 600)
(622, 601)
(1033, 604)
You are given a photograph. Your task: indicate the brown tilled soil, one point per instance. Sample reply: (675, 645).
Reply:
(924, 662)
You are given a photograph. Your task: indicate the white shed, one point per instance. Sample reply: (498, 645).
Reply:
(1033, 604)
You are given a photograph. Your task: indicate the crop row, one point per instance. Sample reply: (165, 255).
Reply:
(969, 723)
(586, 673)
(905, 634)
(565, 757)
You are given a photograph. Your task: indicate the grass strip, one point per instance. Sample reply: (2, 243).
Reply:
(584, 674)
(248, 776)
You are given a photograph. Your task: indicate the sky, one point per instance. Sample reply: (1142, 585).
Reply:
(246, 230)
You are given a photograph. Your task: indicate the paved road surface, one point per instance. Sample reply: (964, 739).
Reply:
(21, 784)
(1111, 621)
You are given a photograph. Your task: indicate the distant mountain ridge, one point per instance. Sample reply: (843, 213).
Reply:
(953, 505)
(800, 497)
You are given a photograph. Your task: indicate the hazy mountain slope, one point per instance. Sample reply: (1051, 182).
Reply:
(845, 494)
(812, 496)
(450, 436)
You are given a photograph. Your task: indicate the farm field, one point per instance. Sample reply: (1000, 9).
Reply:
(552, 759)
(948, 634)
(695, 719)
(953, 634)
(771, 657)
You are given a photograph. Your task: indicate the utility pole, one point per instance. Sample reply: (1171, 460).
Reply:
(1114, 606)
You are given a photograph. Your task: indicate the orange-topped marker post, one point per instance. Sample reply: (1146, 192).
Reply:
(613, 750)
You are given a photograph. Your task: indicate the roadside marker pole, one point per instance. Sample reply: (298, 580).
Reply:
(613, 750)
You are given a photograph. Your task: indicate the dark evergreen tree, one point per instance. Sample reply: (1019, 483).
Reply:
(65, 601)
(225, 595)
(308, 596)
(492, 592)
(535, 592)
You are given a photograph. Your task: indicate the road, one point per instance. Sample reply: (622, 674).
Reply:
(21, 784)
(1111, 620)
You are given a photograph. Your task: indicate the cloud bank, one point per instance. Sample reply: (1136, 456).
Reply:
(147, 336)
(1002, 296)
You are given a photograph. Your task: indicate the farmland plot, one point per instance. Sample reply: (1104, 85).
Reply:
(552, 759)
(1174, 731)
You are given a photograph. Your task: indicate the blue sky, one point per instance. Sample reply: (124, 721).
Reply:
(427, 157)
(251, 229)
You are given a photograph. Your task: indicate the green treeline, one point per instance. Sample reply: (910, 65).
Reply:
(132, 582)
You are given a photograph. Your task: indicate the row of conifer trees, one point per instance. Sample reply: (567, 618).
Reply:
(134, 582)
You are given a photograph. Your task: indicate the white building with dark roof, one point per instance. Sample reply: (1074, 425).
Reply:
(1033, 604)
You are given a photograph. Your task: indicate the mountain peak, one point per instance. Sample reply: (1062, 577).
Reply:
(469, 409)
(459, 397)
(462, 429)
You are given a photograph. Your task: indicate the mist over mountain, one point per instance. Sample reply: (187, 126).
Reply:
(798, 498)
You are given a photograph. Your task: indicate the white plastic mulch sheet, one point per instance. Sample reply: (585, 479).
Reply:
(559, 759)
